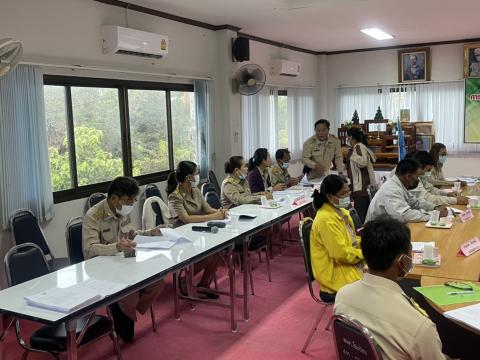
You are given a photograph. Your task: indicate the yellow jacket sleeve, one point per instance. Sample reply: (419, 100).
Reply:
(338, 244)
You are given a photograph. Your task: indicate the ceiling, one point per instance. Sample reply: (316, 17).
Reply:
(333, 25)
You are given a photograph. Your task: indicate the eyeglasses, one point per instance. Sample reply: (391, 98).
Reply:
(459, 285)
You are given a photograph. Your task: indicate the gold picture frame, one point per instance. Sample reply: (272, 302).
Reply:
(471, 61)
(414, 65)
(426, 142)
(424, 128)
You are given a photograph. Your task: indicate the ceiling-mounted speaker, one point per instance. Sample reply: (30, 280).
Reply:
(241, 49)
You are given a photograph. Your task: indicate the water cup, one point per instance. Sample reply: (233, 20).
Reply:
(457, 185)
(428, 252)
(234, 220)
(445, 221)
(264, 201)
(434, 217)
(473, 202)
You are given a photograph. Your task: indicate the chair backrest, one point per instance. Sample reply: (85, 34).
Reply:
(94, 199)
(213, 200)
(155, 212)
(207, 187)
(26, 229)
(212, 178)
(152, 190)
(355, 218)
(73, 236)
(372, 190)
(353, 340)
(25, 262)
(305, 228)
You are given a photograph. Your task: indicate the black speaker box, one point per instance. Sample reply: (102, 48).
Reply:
(241, 49)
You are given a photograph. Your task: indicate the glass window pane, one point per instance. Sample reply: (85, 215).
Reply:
(148, 131)
(98, 144)
(184, 127)
(282, 124)
(56, 120)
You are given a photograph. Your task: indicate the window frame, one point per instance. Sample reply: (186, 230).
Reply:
(122, 86)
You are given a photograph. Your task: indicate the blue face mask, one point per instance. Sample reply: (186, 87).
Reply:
(442, 159)
(285, 165)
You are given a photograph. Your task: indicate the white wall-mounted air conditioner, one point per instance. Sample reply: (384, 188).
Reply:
(120, 40)
(285, 67)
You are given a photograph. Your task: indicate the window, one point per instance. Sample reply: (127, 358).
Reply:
(282, 120)
(101, 128)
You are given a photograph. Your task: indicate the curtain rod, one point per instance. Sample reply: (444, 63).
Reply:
(92, 68)
(399, 84)
(292, 86)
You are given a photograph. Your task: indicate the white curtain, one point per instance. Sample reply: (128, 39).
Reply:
(258, 122)
(301, 118)
(440, 102)
(24, 162)
(203, 111)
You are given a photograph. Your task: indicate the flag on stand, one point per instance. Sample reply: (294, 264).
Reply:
(401, 142)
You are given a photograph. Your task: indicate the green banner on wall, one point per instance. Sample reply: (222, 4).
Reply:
(472, 110)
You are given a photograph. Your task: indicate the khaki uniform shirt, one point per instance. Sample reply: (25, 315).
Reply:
(102, 230)
(183, 202)
(315, 152)
(400, 327)
(279, 175)
(237, 192)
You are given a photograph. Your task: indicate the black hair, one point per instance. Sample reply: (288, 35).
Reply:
(123, 186)
(424, 158)
(258, 156)
(235, 162)
(407, 166)
(322, 121)
(383, 239)
(184, 169)
(331, 185)
(358, 135)
(280, 154)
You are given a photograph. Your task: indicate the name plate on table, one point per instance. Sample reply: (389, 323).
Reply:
(466, 215)
(470, 247)
(299, 200)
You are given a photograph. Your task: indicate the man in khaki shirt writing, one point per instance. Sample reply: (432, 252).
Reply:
(400, 327)
(107, 230)
(280, 174)
(320, 150)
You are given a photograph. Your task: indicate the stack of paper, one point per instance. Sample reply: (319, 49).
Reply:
(168, 239)
(67, 300)
(469, 315)
(418, 246)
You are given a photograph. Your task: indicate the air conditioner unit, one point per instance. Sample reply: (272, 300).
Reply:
(120, 40)
(285, 67)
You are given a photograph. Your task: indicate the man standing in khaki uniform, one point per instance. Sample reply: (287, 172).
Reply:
(320, 150)
(401, 328)
(107, 230)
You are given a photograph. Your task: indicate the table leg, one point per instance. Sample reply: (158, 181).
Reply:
(71, 328)
(246, 264)
(231, 276)
(175, 296)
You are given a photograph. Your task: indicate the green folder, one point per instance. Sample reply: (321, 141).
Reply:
(439, 294)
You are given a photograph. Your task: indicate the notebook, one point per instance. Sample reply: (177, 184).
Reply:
(168, 239)
(469, 315)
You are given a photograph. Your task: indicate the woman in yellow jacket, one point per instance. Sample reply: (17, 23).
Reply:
(334, 247)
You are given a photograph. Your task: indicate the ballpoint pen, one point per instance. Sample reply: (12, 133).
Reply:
(460, 292)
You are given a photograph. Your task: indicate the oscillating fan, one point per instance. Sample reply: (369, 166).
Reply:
(10, 53)
(249, 79)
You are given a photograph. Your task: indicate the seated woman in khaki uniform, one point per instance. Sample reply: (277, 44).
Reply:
(235, 188)
(187, 205)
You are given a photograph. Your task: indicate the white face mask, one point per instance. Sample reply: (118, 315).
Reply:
(342, 202)
(442, 159)
(196, 181)
(125, 210)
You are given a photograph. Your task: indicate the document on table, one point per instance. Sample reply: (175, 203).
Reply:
(70, 299)
(469, 315)
(418, 246)
(168, 239)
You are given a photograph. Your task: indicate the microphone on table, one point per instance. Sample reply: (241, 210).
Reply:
(212, 229)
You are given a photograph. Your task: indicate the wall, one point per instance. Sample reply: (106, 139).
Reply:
(380, 67)
(68, 32)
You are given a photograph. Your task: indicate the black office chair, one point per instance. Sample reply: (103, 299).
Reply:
(152, 190)
(213, 200)
(372, 190)
(26, 229)
(26, 262)
(94, 199)
(212, 179)
(73, 235)
(353, 340)
(305, 229)
(355, 218)
(207, 187)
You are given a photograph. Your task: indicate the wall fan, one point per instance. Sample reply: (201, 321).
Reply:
(249, 79)
(10, 53)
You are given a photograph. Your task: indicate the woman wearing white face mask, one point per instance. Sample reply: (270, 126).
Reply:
(438, 152)
(187, 205)
(334, 247)
(235, 187)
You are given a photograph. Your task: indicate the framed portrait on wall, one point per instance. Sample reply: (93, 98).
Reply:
(424, 128)
(413, 65)
(424, 142)
(471, 60)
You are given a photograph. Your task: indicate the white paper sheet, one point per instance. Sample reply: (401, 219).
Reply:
(469, 315)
